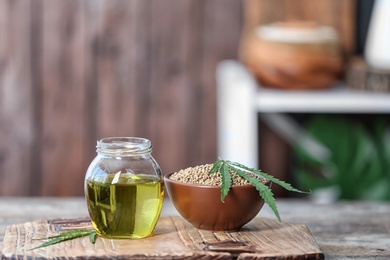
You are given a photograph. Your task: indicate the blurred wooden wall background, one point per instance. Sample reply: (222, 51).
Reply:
(74, 71)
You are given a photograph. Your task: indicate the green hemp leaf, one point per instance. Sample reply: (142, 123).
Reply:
(253, 176)
(69, 235)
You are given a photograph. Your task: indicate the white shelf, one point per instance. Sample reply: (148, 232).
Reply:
(335, 100)
(240, 99)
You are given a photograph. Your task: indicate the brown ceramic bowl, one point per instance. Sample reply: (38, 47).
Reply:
(201, 205)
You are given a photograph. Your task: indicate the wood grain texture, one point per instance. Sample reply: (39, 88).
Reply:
(74, 72)
(16, 105)
(173, 238)
(343, 230)
(63, 105)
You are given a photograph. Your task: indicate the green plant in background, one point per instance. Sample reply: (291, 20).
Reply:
(359, 161)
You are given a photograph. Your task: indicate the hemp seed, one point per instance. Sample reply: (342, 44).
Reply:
(200, 175)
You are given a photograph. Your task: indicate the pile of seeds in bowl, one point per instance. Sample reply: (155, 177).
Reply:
(200, 175)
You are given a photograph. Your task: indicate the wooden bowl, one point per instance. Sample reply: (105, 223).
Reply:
(295, 56)
(201, 205)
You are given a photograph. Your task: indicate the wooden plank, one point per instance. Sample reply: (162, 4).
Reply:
(89, 49)
(63, 115)
(173, 238)
(343, 230)
(36, 66)
(17, 129)
(222, 23)
(118, 101)
(171, 101)
(76, 71)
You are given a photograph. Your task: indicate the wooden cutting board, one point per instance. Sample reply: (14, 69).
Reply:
(173, 238)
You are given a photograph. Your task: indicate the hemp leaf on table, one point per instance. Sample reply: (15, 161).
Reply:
(253, 176)
(69, 235)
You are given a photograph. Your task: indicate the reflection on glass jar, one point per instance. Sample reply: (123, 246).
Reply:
(124, 188)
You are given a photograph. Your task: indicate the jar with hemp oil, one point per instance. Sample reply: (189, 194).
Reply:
(124, 188)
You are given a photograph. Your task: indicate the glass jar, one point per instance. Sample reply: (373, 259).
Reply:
(124, 188)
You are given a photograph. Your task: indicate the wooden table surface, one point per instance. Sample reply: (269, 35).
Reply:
(344, 230)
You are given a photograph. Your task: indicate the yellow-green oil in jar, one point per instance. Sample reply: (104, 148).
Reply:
(125, 205)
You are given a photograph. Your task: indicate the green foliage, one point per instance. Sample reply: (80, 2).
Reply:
(359, 158)
(69, 235)
(252, 176)
(226, 180)
(92, 237)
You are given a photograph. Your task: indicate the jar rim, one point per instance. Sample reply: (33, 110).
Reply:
(123, 145)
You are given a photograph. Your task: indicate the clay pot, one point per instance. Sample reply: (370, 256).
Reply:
(201, 205)
(295, 56)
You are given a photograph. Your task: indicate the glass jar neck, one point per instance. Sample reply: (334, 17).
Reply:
(124, 146)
